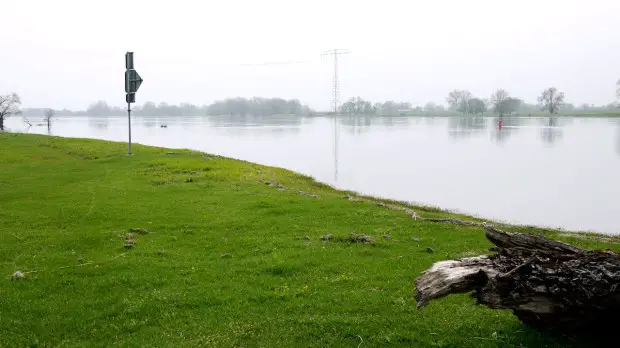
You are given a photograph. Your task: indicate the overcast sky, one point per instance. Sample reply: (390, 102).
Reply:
(69, 53)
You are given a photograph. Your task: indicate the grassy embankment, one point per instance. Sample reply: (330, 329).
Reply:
(230, 261)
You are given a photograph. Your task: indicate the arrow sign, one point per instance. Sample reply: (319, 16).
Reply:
(132, 81)
(137, 80)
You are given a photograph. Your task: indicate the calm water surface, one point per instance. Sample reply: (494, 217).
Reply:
(538, 171)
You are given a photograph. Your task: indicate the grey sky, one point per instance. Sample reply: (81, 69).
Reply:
(69, 53)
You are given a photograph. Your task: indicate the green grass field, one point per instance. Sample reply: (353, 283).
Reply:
(230, 261)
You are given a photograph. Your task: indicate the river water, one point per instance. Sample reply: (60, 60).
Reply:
(560, 172)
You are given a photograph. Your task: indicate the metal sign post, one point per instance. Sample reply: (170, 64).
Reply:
(132, 84)
(129, 125)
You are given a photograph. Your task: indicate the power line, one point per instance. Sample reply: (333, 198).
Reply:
(336, 83)
(276, 63)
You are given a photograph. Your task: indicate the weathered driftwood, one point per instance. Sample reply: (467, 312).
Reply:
(547, 284)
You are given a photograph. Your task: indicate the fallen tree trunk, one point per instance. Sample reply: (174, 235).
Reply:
(547, 284)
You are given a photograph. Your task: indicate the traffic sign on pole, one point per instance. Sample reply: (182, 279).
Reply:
(132, 84)
(132, 81)
(129, 60)
(130, 98)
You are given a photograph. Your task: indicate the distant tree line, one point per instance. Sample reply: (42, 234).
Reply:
(233, 107)
(501, 103)
(359, 106)
(459, 101)
(258, 107)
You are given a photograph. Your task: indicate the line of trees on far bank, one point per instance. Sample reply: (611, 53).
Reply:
(501, 103)
(459, 101)
(256, 106)
(464, 102)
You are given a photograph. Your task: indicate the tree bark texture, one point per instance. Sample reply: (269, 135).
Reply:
(547, 284)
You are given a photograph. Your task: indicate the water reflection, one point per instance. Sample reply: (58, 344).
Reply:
(100, 123)
(250, 120)
(551, 131)
(618, 140)
(358, 124)
(150, 122)
(464, 127)
(256, 125)
(504, 127)
(396, 122)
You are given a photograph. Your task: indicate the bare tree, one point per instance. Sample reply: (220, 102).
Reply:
(27, 121)
(503, 103)
(459, 100)
(9, 106)
(47, 117)
(476, 106)
(551, 99)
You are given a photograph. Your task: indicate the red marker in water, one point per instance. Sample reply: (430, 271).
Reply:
(500, 124)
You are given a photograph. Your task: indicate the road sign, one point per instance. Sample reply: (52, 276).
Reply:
(132, 81)
(132, 84)
(137, 80)
(129, 60)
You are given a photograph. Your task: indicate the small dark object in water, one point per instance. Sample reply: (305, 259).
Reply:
(163, 126)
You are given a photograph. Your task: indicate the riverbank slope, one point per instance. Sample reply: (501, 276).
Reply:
(225, 253)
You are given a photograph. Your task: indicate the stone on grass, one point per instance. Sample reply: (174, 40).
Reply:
(360, 238)
(17, 275)
(352, 199)
(276, 185)
(327, 237)
(139, 230)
